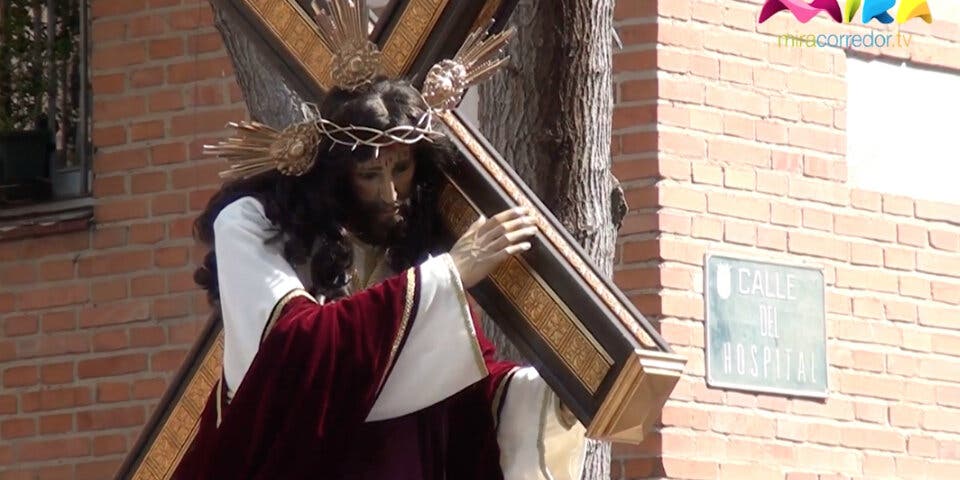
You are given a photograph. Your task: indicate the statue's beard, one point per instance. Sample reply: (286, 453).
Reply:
(378, 223)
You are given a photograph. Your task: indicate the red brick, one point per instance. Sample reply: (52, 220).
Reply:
(20, 325)
(678, 223)
(109, 186)
(112, 418)
(110, 366)
(914, 287)
(681, 145)
(738, 100)
(148, 182)
(110, 8)
(110, 392)
(199, 70)
(900, 311)
(817, 245)
(109, 340)
(707, 173)
(57, 373)
(771, 132)
(119, 108)
(170, 307)
(150, 130)
(58, 399)
(707, 227)
(107, 137)
(191, 18)
(640, 89)
(938, 263)
(706, 120)
(738, 152)
(147, 285)
(24, 376)
(47, 298)
(113, 289)
(739, 232)
(167, 360)
(168, 203)
(121, 210)
(8, 404)
(109, 444)
(147, 77)
(824, 168)
(772, 238)
(898, 205)
(151, 388)
(911, 235)
(58, 321)
(114, 263)
(866, 254)
(18, 428)
(788, 162)
(108, 31)
(632, 61)
(945, 292)
(817, 219)
(211, 42)
(938, 316)
(871, 385)
(938, 211)
(53, 424)
(783, 214)
(899, 258)
(115, 313)
(165, 101)
(166, 48)
(740, 178)
(122, 55)
(97, 470)
(867, 279)
(120, 161)
(109, 84)
(151, 336)
(865, 200)
(210, 95)
(945, 240)
(146, 233)
(676, 196)
(865, 227)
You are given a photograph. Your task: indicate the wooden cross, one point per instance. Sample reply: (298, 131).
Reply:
(604, 360)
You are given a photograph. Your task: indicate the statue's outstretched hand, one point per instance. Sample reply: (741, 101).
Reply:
(490, 241)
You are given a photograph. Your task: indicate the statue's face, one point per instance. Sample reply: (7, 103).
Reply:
(383, 183)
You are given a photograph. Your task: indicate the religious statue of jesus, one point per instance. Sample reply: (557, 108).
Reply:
(350, 349)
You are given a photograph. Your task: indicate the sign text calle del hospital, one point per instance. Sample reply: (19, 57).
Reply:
(766, 327)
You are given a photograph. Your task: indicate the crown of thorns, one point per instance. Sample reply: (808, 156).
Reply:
(257, 148)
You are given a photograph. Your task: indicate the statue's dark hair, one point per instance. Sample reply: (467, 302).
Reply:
(312, 210)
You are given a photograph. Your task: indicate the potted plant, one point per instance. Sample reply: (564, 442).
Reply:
(39, 89)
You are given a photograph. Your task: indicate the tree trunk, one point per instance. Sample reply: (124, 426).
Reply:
(550, 115)
(268, 98)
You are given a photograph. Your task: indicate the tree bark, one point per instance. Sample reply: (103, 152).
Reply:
(550, 115)
(268, 98)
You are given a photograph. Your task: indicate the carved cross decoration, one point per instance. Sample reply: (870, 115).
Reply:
(604, 360)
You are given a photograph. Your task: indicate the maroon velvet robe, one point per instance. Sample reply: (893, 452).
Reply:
(300, 410)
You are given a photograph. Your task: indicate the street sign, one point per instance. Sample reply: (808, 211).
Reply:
(765, 327)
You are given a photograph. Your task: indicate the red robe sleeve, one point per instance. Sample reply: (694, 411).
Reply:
(315, 378)
(473, 452)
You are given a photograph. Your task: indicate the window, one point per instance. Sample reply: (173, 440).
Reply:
(44, 104)
(901, 130)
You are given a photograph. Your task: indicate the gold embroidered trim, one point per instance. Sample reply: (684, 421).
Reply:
(498, 396)
(465, 308)
(401, 332)
(278, 308)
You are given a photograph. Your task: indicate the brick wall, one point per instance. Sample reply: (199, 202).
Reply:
(96, 322)
(730, 144)
(725, 144)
